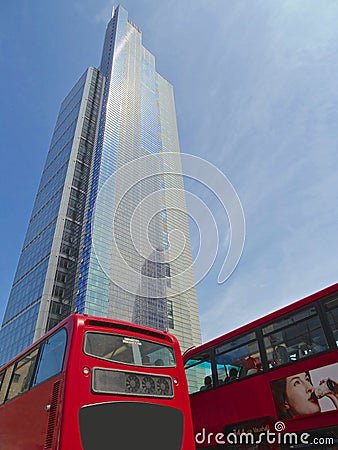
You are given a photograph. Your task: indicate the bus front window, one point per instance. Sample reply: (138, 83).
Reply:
(128, 350)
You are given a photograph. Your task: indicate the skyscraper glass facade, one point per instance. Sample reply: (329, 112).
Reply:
(88, 219)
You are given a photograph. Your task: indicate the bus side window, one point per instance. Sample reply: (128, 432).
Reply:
(331, 310)
(5, 377)
(236, 357)
(293, 337)
(51, 358)
(23, 373)
(7, 374)
(198, 372)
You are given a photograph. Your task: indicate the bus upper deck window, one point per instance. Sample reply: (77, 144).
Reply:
(199, 373)
(52, 355)
(22, 376)
(293, 337)
(331, 310)
(128, 350)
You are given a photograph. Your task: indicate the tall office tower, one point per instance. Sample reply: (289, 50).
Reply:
(110, 195)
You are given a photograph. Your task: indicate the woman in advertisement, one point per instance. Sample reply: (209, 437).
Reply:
(296, 395)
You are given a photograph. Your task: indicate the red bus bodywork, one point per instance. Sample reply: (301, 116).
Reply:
(250, 402)
(68, 412)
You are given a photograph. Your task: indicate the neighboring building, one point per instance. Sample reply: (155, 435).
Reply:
(70, 261)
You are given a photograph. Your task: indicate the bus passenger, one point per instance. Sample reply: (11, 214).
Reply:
(159, 362)
(232, 375)
(207, 384)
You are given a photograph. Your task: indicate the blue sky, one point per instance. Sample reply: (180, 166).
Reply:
(256, 88)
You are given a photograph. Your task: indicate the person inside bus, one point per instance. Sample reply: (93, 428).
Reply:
(159, 362)
(207, 383)
(232, 375)
(294, 396)
(280, 355)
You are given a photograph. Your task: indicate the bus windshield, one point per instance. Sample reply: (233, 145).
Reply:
(128, 350)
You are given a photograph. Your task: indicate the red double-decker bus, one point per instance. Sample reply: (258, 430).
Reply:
(93, 384)
(272, 383)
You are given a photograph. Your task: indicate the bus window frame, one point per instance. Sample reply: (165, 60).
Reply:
(2, 376)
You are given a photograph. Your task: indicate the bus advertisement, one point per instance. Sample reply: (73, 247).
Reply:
(272, 383)
(94, 383)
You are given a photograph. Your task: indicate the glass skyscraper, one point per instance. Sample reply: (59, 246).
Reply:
(110, 194)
